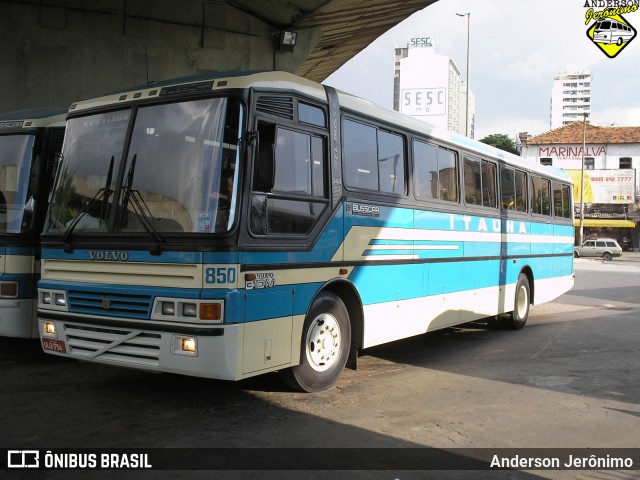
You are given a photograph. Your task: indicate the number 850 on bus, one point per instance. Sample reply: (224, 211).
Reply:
(220, 276)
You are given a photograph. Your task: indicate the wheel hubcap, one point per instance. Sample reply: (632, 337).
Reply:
(323, 342)
(522, 302)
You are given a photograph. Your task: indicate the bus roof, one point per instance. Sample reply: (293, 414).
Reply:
(33, 118)
(284, 81)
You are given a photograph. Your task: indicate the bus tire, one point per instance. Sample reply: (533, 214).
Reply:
(521, 304)
(326, 339)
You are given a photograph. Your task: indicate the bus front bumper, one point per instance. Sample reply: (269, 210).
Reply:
(211, 352)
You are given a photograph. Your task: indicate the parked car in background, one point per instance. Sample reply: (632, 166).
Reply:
(607, 248)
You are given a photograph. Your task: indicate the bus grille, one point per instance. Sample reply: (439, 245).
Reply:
(114, 344)
(110, 304)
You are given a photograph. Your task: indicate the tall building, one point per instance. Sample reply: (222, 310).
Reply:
(570, 97)
(428, 86)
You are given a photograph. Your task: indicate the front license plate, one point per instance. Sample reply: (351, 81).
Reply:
(54, 345)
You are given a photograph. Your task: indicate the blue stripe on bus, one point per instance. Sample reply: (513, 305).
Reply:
(387, 283)
(433, 220)
(221, 257)
(24, 251)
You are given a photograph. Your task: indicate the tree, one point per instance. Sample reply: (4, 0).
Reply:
(501, 141)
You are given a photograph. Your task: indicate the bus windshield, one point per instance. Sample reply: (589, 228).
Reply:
(15, 164)
(178, 175)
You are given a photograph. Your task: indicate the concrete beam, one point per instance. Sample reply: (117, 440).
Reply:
(53, 55)
(55, 52)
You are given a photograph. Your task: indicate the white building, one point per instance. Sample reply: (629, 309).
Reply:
(428, 86)
(570, 97)
(611, 174)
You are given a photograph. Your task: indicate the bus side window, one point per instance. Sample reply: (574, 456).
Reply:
(289, 191)
(513, 184)
(561, 200)
(360, 155)
(540, 195)
(507, 187)
(391, 162)
(472, 181)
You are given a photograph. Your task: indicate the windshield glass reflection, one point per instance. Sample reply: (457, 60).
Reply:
(181, 170)
(180, 174)
(83, 192)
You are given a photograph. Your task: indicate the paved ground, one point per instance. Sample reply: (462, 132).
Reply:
(570, 379)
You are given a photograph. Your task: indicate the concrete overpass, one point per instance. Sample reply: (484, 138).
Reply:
(57, 51)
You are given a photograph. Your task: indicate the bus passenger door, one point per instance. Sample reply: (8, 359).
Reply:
(288, 211)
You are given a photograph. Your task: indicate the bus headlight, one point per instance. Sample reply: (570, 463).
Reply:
(46, 298)
(60, 300)
(168, 308)
(49, 329)
(187, 346)
(52, 299)
(190, 310)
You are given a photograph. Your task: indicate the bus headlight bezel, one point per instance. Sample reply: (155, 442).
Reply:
(187, 310)
(53, 299)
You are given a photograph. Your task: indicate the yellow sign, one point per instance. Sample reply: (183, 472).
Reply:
(611, 32)
(588, 191)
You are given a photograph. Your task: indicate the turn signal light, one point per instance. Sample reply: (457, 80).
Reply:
(210, 311)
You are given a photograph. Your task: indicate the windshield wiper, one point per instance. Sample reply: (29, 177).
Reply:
(104, 193)
(140, 207)
(134, 198)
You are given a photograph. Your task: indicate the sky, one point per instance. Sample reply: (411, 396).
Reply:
(517, 47)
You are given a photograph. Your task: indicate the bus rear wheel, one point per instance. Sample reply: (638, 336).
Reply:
(522, 302)
(326, 339)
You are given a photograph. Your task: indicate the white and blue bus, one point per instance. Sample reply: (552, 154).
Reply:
(29, 141)
(239, 224)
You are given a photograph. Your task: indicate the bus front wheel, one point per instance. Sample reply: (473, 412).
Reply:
(326, 339)
(522, 302)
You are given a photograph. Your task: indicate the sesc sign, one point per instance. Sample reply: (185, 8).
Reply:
(421, 42)
(424, 101)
